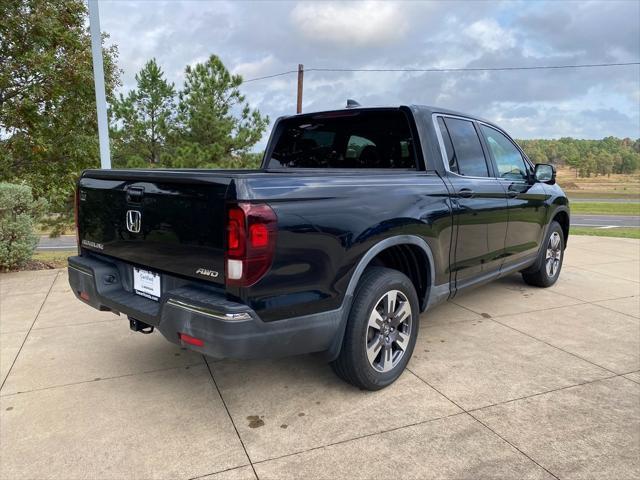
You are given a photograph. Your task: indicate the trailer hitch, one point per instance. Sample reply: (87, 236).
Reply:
(138, 326)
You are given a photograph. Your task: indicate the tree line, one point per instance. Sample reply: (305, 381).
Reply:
(587, 157)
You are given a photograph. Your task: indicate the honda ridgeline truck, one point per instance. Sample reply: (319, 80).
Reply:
(357, 222)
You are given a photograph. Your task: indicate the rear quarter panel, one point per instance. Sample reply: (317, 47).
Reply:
(327, 223)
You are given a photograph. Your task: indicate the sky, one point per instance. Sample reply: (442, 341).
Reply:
(255, 39)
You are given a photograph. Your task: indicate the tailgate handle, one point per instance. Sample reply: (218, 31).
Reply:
(134, 194)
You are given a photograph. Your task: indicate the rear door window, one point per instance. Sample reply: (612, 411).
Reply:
(349, 139)
(448, 146)
(467, 157)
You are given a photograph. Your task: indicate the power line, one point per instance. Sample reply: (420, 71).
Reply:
(444, 70)
(269, 76)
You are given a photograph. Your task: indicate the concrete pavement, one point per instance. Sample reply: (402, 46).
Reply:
(508, 381)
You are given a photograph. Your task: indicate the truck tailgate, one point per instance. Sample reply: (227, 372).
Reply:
(164, 225)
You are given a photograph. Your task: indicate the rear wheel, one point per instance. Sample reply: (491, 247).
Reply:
(547, 269)
(381, 330)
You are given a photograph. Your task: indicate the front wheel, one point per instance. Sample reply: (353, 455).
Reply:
(547, 269)
(381, 330)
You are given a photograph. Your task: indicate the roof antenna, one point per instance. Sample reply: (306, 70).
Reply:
(352, 103)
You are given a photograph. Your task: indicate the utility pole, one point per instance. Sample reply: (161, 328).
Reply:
(300, 82)
(98, 80)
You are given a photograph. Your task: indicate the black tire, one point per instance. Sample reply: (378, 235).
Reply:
(539, 275)
(376, 291)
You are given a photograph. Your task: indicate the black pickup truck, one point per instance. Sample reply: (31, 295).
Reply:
(357, 221)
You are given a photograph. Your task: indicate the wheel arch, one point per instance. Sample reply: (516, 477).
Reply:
(561, 215)
(369, 258)
(411, 243)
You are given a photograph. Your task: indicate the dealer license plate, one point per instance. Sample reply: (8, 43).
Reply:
(146, 283)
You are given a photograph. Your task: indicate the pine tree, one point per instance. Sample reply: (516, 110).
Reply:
(143, 119)
(215, 125)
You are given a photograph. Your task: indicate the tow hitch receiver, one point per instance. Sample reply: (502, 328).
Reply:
(138, 326)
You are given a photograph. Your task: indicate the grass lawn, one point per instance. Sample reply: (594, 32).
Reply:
(55, 259)
(621, 232)
(604, 208)
(46, 260)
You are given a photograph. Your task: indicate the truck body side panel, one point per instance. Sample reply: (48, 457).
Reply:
(325, 225)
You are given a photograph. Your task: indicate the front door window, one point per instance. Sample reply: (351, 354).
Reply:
(509, 161)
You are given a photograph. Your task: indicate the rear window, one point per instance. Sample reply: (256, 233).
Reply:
(357, 139)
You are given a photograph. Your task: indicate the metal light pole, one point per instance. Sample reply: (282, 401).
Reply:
(98, 79)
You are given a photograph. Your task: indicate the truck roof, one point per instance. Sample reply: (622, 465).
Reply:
(425, 109)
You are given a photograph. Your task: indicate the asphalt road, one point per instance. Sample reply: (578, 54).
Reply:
(605, 221)
(64, 242)
(68, 242)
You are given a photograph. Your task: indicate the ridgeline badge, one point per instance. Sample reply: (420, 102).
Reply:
(89, 243)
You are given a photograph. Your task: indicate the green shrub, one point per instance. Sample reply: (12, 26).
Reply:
(19, 214)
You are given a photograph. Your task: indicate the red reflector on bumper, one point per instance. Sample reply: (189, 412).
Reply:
(191, 340)
(84, 296)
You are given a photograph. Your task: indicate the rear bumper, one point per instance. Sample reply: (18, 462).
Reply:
(228, 329)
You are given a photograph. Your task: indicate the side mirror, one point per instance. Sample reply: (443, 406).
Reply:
(545, 173)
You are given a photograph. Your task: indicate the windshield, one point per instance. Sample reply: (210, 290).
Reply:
(356, 139)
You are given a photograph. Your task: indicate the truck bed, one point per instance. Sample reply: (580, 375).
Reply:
(183, 210)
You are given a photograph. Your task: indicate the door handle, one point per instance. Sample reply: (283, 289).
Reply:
(465, 193)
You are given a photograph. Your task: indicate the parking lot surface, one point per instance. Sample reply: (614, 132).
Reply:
(506, 381)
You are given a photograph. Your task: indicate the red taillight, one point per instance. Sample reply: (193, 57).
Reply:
(84, 296)
(191, 340)
(236, 232)
(76, 211)
(258, 235)
(251, 236)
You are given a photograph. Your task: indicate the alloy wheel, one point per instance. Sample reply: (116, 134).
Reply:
(554, 255)
(388, 331)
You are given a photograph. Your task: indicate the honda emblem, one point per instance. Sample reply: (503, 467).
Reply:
(134, 221)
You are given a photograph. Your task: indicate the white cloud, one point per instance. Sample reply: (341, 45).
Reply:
(490, 34)
(366, 24)
(258, 68)
(262, 38)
